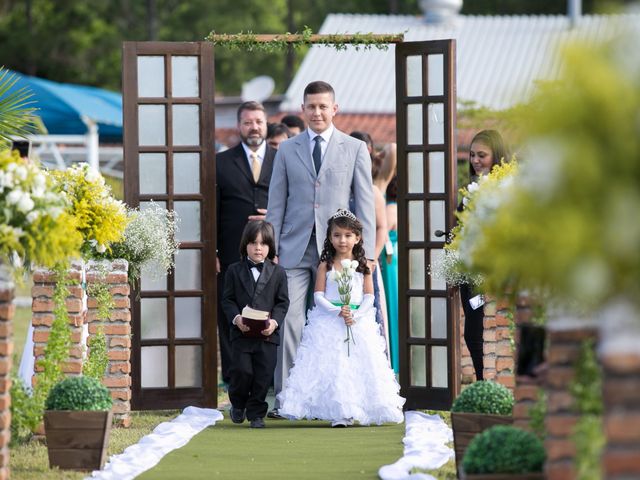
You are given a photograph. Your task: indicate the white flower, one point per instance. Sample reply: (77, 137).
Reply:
(100, 248)
(6, 179)
(39, 186)
(91, 174)
(21, 172)
(472, 187)
(346, 263)
(354, 264)
(14, 196)
(25, 204)
(32, 216)
(55, 212)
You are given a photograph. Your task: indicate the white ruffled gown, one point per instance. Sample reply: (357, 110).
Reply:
(327, 383)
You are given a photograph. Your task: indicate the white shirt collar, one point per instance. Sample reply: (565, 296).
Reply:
(326, 135)
(262, 150)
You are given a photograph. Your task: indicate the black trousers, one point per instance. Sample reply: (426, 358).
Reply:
(473, 329)
(223, 331)
(254, 362)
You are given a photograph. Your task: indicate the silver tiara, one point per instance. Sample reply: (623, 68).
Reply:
(344, 213)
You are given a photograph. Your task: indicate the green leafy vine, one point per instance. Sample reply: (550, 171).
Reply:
(98, 358)
(250, 42)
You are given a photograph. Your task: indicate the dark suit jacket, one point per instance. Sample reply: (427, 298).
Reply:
(269, 293)
(237, 197)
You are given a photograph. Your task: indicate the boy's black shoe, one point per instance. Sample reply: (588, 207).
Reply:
(236, 414)
(257, 423)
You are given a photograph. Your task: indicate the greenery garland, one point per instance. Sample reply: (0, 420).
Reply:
(250, 41)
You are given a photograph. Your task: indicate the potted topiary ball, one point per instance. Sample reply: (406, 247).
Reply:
(504, 452)
(77, 423)
(481, 405)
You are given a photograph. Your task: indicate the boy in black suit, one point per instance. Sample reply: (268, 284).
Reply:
(261, 284)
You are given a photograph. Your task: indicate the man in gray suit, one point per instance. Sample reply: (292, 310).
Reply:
(314, 174)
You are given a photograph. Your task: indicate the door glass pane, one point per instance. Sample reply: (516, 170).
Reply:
(439, 367)
(184, 76)
(435, 256)
(153, 173)
(417, 315)
(435, 113)
(438, 317)
(150, 76)
(186, 173)
(436, 218)
(144, 205)
(187, 270)
(416, 269)
(436, 172)
(188, 366)
(153, 318)
(188, 317)
(152, 279)
(435, 66)
(418, 366)
(154, 365)
(416, 221)
(189, 215)
(414, 124)
(414, 76)
(186, 125)
(151, 125)
(414, 167)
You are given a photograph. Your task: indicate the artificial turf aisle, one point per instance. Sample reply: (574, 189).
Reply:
(283, 450)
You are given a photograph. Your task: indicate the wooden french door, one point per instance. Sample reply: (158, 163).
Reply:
(428, 311)
(169, 158)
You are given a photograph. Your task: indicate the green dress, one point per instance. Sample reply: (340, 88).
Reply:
(390, 280)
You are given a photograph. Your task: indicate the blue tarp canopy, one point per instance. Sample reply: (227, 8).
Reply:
(61, 107)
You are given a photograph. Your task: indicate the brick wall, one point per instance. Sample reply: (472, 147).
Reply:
(117, 330)
(619, 352)
(117, 327)
(565, 336)
(7, 310)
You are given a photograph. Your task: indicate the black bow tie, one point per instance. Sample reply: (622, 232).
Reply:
(255, 265)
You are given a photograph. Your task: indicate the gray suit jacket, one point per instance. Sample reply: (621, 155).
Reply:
(298, 198)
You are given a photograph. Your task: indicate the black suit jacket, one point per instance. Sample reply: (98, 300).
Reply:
(237, 197)
(269, 293)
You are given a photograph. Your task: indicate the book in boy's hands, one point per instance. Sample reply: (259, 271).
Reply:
(256, 320)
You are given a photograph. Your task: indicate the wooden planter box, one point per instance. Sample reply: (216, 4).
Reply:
(77, 440)
(468, 425)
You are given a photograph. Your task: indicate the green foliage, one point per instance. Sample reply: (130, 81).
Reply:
(565, 229)
(588, 435)
(96, 364)
(79, 393)
(26, 413)
(537, 414)
(504, 449)
(100, 291)
(484, 397)
(15, 111)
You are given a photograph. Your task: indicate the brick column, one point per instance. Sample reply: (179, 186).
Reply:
(566, 334)
(7, 309)
(498, 352)
(117, 330)
(620, 356)
(44, 282)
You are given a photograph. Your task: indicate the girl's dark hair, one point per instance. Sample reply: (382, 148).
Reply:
(250, 233)
(493, 140)
(328, 251)
(392, 189)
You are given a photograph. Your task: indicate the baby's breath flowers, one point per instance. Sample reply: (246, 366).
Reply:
(149, 241)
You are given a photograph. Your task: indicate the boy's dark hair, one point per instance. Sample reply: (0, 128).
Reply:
(318, 87)
(293, 121)
(353, 224)
(275, 129)
(250, 233)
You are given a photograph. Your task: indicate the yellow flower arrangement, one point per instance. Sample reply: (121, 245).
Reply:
(34, 227)
(100, 218)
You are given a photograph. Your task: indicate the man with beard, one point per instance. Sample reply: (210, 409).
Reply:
(243, 174)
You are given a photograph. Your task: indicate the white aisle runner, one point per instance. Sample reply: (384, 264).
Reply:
(151, 448)
(425, 447)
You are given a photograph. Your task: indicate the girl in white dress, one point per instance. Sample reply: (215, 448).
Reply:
(341, 372)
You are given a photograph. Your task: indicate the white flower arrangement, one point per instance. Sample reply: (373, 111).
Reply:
(343, 279)
(149, 241)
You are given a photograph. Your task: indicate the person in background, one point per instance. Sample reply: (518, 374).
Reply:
(294, 123)
(487, 150)
(276, 134)
(257, 282)
(243, 174)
